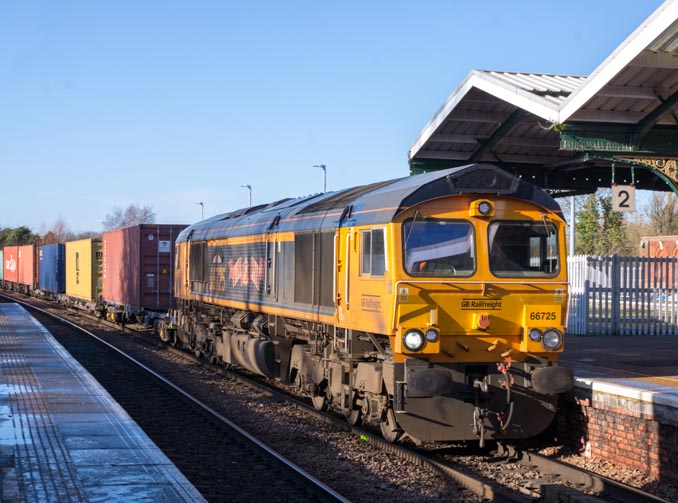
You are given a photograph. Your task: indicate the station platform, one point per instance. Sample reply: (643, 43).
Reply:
(624, 406)
(62, 437)
(638, 367)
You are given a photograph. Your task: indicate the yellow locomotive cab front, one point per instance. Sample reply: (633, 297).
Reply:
(486, 277)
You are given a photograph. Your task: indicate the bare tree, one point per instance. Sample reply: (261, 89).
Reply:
(59, 233)
(87, 235)
(637, 227)
(134, 214)
(662, 213)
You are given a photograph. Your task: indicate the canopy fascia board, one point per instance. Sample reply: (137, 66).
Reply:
(449, 105)
(521, 98)
(492, 86)
(631, 48)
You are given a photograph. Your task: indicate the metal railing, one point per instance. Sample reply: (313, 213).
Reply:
(623, 295)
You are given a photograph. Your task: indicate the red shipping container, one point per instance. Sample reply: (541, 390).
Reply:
(27, 265)
(10, 266)
(138, 267)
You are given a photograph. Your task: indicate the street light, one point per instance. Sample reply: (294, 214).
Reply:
(324, 168)
(202, 210)
(248, 187)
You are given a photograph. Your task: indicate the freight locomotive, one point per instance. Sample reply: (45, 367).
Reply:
(431, 306)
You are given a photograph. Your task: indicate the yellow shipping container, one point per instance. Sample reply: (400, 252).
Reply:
(83, 269)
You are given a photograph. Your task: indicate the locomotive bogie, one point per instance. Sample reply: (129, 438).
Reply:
(306, 368)
(368, 377)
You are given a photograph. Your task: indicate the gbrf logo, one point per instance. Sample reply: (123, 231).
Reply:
(10, 264)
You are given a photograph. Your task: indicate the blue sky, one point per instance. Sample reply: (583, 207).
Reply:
(166, 103)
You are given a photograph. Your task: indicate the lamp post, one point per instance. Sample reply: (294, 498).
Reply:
(202, 210)
(249, 188)
(324, 168)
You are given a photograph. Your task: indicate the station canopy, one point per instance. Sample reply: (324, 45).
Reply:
(570, 134)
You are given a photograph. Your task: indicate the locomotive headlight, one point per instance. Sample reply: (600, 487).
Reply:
(431, 335)
(552, 339)
(484, 207)
(481, 208)
(413, 340)
(535, 335)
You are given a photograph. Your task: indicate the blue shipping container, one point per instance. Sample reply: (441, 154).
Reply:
(52, 268)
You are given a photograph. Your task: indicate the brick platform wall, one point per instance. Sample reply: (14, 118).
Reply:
(623, 431)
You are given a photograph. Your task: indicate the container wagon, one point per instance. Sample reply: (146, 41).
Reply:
(20, 268)
(27, 268)
(51, 270)
(9, 266)
(83, 273)
(138, 271)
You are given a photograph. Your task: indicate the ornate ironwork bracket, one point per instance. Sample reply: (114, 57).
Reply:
(669, 167)
(665, 168)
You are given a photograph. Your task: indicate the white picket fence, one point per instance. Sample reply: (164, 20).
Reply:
(623, 295)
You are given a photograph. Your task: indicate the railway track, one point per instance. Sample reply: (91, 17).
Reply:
(539, 478)
(550, 480)
(221, 460)
(606, 488)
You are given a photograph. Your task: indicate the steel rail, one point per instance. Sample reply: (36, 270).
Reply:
(317, 488)
(602, 487)
(598, 484)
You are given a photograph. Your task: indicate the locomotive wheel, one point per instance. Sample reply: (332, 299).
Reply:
(354, 417)
(389, 427)
(319, 402)
(162, 331)
(177, 338)
(297, 379)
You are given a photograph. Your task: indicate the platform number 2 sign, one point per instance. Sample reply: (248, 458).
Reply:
(623, 198)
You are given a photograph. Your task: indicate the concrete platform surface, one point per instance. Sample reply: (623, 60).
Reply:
(62, 437)
(638, 367)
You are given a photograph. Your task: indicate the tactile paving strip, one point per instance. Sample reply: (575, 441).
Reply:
(46, 468)
(62, 437)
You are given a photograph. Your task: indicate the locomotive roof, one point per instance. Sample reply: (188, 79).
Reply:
(375, 203)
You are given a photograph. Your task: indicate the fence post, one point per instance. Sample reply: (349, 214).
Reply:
(587, 293)
(615, 273)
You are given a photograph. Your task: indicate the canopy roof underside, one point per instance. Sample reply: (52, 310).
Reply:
(565, 132)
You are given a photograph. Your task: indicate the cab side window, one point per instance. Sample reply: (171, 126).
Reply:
(373, 253)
